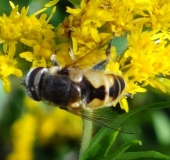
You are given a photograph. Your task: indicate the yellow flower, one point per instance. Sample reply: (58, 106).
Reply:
(40, 37)
(163, 84)
(51, 3)
(23, 137)
(41, 54)
(7, 67)
(124, 104)
(146, 58)
(158, 15)
(31, 31)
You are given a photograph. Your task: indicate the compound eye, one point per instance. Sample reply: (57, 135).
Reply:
(33, 83)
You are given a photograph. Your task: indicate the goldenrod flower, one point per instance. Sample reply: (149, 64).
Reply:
(31, 31)
(41, 54)
(148, 59)
(7, 68)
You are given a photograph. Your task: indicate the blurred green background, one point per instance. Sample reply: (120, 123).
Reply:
(30, 130)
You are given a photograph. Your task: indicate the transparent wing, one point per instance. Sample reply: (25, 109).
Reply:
(90, 59)
(108, 117)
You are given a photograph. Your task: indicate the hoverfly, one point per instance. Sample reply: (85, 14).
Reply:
(77, 90)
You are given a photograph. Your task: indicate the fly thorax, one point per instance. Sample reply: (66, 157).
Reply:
(55, 89)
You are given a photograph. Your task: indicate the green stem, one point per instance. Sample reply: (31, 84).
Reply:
(86, 137)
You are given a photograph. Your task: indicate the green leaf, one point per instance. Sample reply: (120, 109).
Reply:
(120, 44)
(144, 154)
(158, 105)
(161, 126)
(124, 117)
(120, 150)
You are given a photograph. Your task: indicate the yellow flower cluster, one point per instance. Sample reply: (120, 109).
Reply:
(143, 63)
(93, 23)
(28, 30)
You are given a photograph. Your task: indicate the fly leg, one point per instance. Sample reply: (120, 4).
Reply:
(70, 50)
(70, 43)
(102, 65)
(53, 59)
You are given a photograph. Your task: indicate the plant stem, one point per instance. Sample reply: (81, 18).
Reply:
(87, 135)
